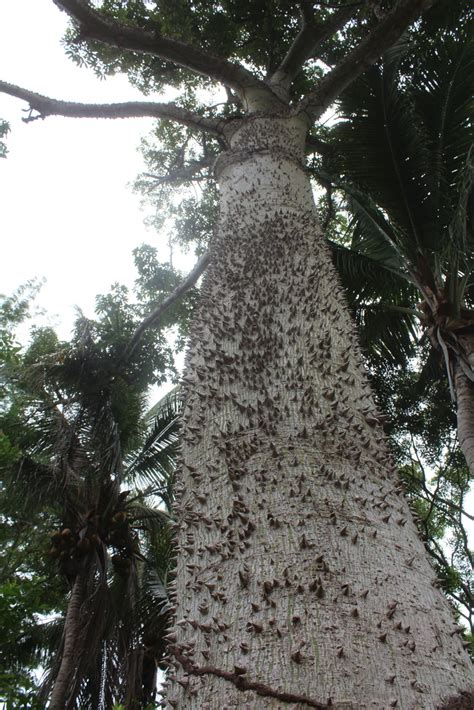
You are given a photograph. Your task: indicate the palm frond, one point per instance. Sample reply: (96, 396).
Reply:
(388, 333)
(381, 299)
(460, 229)
(403, 143)
(153, 465)
(366, 276)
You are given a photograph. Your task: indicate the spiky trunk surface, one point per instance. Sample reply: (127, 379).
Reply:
(66, 674)
(301, 581)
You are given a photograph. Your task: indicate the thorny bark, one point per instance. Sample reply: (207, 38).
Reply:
(65, 676)
(299, 568)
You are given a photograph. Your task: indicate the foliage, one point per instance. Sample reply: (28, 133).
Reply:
(401, 168)
(4, 130)
(24, 643)
(177, 157)
(402, 157)
(76, 449)
(226, 29)
(421, 424)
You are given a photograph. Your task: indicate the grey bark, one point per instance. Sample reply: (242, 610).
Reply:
(465, 400)
(47, 106)
(311, 35)
(301, 580)
(65, 677)
(94, 25)
(383, 35)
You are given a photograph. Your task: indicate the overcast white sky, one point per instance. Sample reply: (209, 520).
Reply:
(66, 212)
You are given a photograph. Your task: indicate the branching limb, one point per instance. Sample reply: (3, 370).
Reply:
(94, 25)
(46, 106)
(436, 551)
(239, 679)
(383, 36)
(184, 173)
(153, 319)
(232, 99)
(445, 506)
(306, 43)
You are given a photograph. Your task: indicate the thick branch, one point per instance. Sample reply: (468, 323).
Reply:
(240, 681)
(45, 106)
(383, 36)
(94, 25)
(306, 43)
(153, 319)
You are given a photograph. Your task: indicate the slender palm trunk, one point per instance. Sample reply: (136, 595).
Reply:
(465, 403)
(65, 677)
(301, 580)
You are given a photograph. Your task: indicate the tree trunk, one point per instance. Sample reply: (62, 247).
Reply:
(465, 402)
(65, 677)
(301, 580)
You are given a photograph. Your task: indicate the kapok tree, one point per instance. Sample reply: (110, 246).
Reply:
(301, 580)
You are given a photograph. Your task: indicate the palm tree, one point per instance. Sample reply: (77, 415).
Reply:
(404, 160)
(101, 474)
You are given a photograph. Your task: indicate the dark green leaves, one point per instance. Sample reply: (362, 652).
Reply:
(4, 130)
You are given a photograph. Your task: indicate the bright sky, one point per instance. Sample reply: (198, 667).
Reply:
(66, 212)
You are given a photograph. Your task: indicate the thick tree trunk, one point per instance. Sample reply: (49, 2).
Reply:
(301, 580)
(65, 678)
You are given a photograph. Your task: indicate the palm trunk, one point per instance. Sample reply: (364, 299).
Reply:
(65, 677)
(465, 402)
(301, 580)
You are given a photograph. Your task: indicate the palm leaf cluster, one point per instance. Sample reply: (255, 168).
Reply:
(403, 159)
(93, 475)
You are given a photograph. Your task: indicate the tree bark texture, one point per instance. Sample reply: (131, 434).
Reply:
(301, 580)
(465, 401)
(66, 674)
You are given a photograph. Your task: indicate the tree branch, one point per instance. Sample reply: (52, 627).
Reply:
(94, 25)
(306, 42)
(46, 106)
(383, 36)
(153, 319)
(238, 678)
(190, 172)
